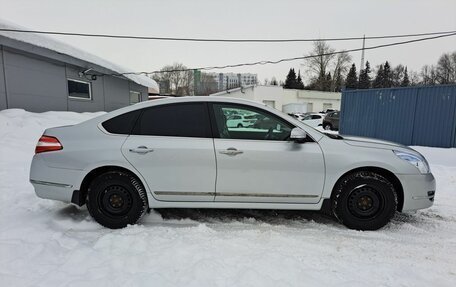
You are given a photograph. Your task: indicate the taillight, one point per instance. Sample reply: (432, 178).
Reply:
(47, 143)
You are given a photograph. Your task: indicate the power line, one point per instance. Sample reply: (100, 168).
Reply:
(220, 40)
(287, 59)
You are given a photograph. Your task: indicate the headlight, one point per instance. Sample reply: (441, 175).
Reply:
(417, 161)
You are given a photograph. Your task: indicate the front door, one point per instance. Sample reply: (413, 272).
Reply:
(259, 164)
(172, 147)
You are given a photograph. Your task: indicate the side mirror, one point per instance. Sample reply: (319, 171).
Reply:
(298, 135)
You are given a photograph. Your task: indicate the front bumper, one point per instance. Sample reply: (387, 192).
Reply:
(419, 191)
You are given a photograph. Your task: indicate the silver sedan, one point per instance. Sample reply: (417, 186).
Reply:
(180, 153)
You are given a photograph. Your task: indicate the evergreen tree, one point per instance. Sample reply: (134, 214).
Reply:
(364, 77)
(387, 76)
(291, 81)
(352, 79)
(299, 83)
(405, 81)
(378, 82)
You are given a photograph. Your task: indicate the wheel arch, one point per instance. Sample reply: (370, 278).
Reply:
(391, 177)
(90, 176)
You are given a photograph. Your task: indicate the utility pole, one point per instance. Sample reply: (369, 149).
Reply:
(362, 54)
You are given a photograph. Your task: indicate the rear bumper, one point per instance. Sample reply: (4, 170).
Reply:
(419, 191)
(53, 183)
(53, 190)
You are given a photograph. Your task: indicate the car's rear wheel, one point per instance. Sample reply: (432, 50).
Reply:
(327, 127)
(116, 199)
(364, 200)
(239, 125)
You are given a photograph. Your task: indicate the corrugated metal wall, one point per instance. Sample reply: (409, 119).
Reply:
(423, 116)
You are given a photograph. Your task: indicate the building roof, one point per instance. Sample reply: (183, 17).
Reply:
(63, 48)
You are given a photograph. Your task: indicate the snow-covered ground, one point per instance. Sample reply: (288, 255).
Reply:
(47, 243)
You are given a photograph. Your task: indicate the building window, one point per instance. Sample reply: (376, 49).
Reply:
(135, 97)
(327, 106)
(269, 103)
(79, 90)
(309, 107)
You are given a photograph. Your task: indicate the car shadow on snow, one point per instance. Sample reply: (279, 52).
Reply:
(72, 212)
(186, 216)
(249, 216)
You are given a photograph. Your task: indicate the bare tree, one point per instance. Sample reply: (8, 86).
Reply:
(397, 75)
(429, 75)
(446, 68)
(340, 70)
(274, 82)
(326, 63)
(207, 85)
(175, 79)
(414, 78)
(318, 65)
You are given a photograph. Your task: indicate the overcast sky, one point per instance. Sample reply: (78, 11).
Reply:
(240, 19)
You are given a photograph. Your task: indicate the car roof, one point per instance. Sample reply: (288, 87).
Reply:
(188, 99)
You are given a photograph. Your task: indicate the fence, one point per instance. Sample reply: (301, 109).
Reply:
(424, 116)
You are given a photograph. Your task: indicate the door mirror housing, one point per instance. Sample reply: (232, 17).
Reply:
(298, 135)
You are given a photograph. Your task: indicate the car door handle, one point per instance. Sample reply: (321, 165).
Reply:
(141, 150)
(231, 151)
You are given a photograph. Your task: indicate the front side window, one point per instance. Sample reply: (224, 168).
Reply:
(256, 124)
(177, 120)
(79, 90)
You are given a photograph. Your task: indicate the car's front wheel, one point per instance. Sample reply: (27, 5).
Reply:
(116, 199)
(364, 200)
(327, 127)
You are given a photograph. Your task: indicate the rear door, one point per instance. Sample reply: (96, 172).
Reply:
(172, 147)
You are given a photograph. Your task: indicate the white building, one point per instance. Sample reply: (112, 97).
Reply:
(232, 80)
(286, 100)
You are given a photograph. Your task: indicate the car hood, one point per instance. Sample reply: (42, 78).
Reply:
(373, 143)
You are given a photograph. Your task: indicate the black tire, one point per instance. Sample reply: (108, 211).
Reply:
(364, 201)
(116, 199)
(239, 126)
(327, 127)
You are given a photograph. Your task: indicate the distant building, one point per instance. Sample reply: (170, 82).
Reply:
(286, 100)
(38, 73)
(232, 80)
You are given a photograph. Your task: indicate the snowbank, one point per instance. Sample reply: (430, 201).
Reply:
(47, 243)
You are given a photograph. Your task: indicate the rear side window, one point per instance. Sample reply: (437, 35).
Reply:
(122, 124)
(178, 120)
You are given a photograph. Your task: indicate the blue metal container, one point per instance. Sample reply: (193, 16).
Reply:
(424, 116)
